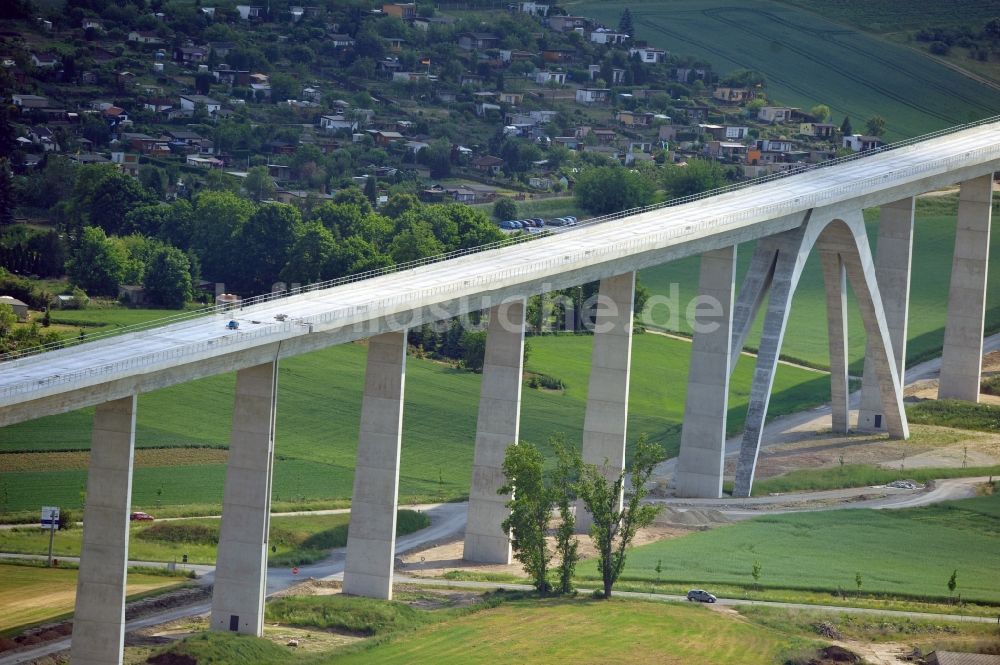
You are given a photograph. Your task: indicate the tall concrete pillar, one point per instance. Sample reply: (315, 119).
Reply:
(701, 460)
(371, 539)
(835, 278)
(607, 394)
(99, 619)
(962, 358)
(756, 284)
(893, 254)
(496, 428)
(241, 563)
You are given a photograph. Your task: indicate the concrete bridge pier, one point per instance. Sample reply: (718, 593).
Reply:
(371, 540)
(701, 460)
(894, 254)
(606, 417)
(241, 564)
(99, 618)
(962, 357)
(835, 279)
(497, 427)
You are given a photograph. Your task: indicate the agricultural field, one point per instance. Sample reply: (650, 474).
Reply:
(905, 553)
(318, 405)
(22, 587)
(811, 60)
(890, 17)
(806, 337)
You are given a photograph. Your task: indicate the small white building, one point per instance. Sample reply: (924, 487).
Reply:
(189, 102)
(774, 114)
(20, 308)
(649, 54)
(546, 77)
(592, 95)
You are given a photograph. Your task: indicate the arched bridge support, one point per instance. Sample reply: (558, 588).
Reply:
(842, 240)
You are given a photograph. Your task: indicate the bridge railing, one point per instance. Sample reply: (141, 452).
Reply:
(222, 308)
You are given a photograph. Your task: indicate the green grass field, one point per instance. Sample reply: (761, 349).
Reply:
(909, 553)
(297, 539)
(809, 60)
(881, 17)
(806, 337)
(22, 589)
(318, 405)
(567, 630)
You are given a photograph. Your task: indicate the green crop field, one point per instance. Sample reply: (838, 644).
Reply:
(318, 405)
(809, 60)
(885, 17)
(584, 631)
(806, 338)
(909, 552)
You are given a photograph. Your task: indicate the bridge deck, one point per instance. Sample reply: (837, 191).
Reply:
(873, 180)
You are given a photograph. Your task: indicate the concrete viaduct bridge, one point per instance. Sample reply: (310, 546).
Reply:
(789, 217)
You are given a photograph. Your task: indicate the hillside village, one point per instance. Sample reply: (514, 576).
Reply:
(327, 137)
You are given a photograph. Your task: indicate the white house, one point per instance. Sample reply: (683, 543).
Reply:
(736, 133)
(592, 95)
(337, 123)
(605, 36)
(774, 114)
(533, 8)
(249, 11)
(189, 102)
(649, 54)
(545, 77)
(859, 143)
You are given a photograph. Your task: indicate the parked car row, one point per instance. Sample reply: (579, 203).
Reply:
(536, 223)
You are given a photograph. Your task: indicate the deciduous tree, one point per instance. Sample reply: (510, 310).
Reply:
(530, 511)
(168, 278)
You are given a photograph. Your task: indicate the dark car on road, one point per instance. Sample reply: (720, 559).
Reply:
(139, 516)
(701, 596)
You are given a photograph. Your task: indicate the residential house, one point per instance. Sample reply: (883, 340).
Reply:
(533, 8)
(634, 119)
(547, 77)
(604, 136)
(409, 77)
(27, 102)
(204, 162)
(648, 54)
(860, 143)
(774, 114)
(605, 36)
(733, 95)
(248, 12)
(774, 145)
(337, 123)
(234, 77)
(483, 108)
(477, 41)
(191, 54)
(189, 102)
(690, 74)
(394, 44)
(695, 113)
(568, 142)
(508, 56)
(20, 308)
(538, 182)
(558, 55)
(462, 194)
(144, 37)
(45, 60)
(715, 131)
(592, 95)
(736, 133)
(93, 24)
(567, 23)
(730, 151)
(279, 171)
(617, 76)
(115, 115)
(383, 138)
(128, 163)
(472, 80)
(43, 136)
(818, 130)
(338, 40)
(488, 164)
(157, 105)
(404, 10)
(183, 135)
(513, 98)
(221, 49)
(261, 91)
(87, 158)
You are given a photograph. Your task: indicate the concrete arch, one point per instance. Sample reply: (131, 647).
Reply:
(776, 270)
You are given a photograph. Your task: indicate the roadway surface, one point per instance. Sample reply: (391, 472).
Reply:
(588, 252)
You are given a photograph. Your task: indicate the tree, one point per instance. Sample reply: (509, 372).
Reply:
(113, 197)
(567, 475)
(530, 511)
(415, 242)
(615, 522)
(7, 320)
(700, 175)
(845, 127)
(437, 157)
(168, 278)
(216, 221)
(371, 189)
(875, 125)
(473, 349)
(626, 24)
(858, 581)
(310, 255)
(6, 194)
(953, 582)
(98, 264)
(755, 573)
(821, 112)
(608, 189)
(265, 243)
(504, 208)
(259, 184)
